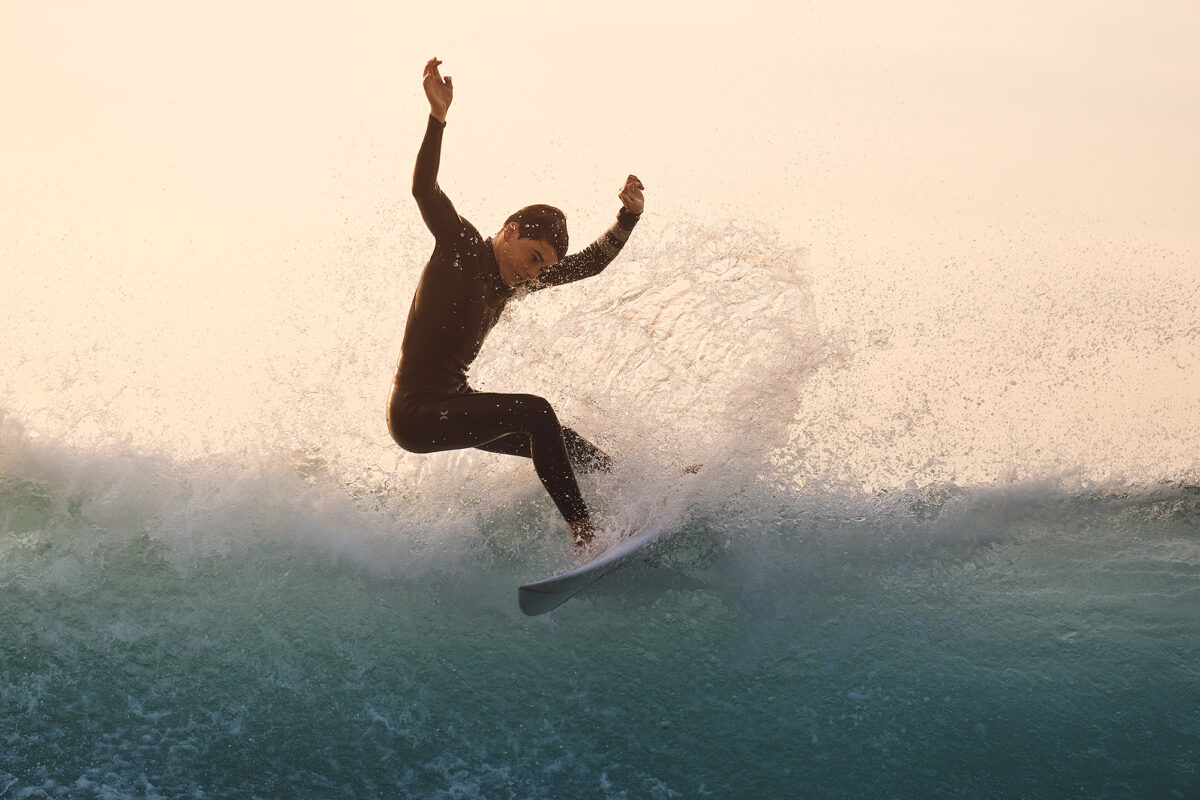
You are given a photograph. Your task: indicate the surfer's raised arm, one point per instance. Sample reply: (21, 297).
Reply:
(436, 209)
(592, 259)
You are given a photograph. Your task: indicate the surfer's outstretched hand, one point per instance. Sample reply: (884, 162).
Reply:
(439, 90)
(631, 195)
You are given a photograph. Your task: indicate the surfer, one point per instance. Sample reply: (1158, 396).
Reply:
(463, 288)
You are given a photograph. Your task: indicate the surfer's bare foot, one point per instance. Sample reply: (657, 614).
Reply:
(692, 469)
(583, 532)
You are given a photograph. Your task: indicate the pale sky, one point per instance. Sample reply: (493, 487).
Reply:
(863, 113)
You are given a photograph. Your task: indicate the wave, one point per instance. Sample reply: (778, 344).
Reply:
(474, 513)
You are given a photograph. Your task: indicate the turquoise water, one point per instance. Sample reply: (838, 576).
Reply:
(1016, 642)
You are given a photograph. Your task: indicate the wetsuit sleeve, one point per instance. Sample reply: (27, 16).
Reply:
(436, 209)
(592, 259)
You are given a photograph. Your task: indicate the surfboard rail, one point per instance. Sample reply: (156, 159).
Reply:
(548, 594)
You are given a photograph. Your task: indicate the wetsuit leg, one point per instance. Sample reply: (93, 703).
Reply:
(428, 425)
(584, 456)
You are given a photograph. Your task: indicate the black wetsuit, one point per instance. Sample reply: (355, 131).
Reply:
(458, 301)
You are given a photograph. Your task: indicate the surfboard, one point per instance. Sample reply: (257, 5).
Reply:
(550, 593)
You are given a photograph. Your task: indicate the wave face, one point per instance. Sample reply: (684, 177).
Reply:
(944, 542)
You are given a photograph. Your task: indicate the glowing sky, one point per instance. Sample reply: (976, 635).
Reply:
(273, 116)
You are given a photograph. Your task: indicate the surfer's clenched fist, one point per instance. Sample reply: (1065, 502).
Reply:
(439, 90)
(631, 195)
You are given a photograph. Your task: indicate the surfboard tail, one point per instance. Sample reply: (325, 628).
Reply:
(547, 595)
(534, 602)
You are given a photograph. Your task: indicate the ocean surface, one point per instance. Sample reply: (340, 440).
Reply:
(945, 543)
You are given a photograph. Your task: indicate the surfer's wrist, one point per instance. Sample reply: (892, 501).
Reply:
(627, 219)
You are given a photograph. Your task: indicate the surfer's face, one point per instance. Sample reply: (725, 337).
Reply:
(521, 260)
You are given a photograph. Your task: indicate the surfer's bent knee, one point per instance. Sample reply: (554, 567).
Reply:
(405, 428)
(402, 434)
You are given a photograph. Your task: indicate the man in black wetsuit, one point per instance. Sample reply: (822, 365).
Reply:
(462, 291)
